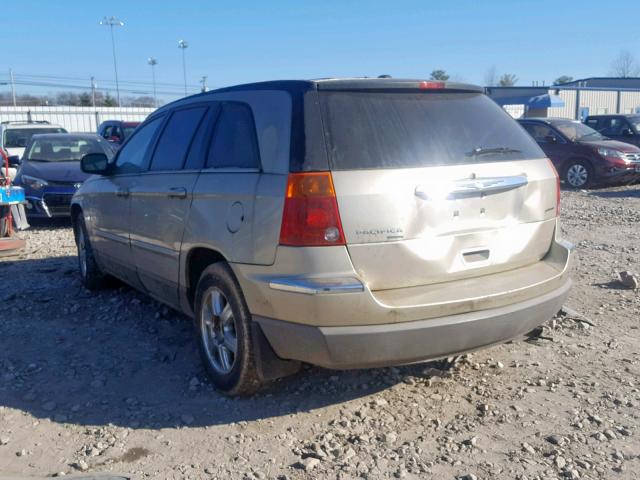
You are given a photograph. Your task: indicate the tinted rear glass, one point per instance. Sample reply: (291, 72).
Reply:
(406, 130)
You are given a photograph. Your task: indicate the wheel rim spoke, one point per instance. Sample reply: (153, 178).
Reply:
(225, 359)
(230, 342)
(226, 315)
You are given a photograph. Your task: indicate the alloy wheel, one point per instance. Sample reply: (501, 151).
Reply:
(577, 175)
(218, 329)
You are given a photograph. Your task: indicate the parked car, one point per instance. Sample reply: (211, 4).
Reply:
(625, 128)
(345, 223)
(50, 170)
(116, 131)
(583, 156)
(15, 135)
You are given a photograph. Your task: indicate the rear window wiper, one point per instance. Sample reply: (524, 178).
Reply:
(489, 151)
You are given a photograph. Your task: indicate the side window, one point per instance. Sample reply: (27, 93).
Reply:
(540, 133)
(593, 123)
(106, 132)
(234, 142)
(132, 155)
(613, 126)
(176, 137)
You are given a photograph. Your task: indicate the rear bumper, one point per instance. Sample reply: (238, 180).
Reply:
(345, 347)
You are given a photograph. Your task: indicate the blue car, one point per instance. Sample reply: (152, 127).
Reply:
(50, 171)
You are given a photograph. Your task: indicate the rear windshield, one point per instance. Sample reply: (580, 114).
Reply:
(19, 137)
(405, 130)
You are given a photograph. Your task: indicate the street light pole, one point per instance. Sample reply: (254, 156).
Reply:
(182, 45)
(113, 22)
(153, 62)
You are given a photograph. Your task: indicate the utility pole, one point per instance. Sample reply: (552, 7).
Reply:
(203, 81)
(153, 62)
(113, 22)
(182, 45)
(93, 91)
(13, 86)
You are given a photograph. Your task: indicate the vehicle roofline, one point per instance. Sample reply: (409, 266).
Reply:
(355, 84)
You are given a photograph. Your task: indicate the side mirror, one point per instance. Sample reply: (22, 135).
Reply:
(551, 139)
(14, 160)
(627, 132)
(95, 163)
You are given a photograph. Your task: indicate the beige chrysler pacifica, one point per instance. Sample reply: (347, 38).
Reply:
(346, 223)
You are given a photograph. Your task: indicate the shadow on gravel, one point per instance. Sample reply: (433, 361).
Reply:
(49, 223)
(631, 193)
(118, 357)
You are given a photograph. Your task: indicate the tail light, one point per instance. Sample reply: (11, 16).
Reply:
(555, 172)
(310, 216)
(424, 85)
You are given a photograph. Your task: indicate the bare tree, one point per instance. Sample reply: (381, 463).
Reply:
(491, 76)
(624, 65)
(508, 80)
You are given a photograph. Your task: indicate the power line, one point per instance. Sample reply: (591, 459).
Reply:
(102, 81)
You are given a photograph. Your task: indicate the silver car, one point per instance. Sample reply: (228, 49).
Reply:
(346, 223)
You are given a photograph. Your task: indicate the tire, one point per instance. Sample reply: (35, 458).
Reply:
(223, 324)
(91, 275)
(579, 174)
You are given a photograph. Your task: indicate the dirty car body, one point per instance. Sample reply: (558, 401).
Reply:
(365, 222)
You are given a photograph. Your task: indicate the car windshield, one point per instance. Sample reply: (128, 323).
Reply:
(67, 149)
(576, 131)
(635, 123)
(20, 137)
(408, 130)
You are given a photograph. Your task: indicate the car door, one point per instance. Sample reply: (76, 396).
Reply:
(110, 204)
(553, 143)
(224, 195)
(160, 203)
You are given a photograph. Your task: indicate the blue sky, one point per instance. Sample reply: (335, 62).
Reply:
(235, 42)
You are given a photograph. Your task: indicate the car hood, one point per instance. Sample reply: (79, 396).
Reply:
(67, 172)
(615, 144)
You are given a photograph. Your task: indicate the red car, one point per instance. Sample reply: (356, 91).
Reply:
(582, 156)
(116, 131)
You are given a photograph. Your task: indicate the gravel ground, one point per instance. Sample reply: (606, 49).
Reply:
(111, 382)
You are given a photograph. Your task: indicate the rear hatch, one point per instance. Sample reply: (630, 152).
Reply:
(435, 184)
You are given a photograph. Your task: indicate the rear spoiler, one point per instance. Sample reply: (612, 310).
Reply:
(366, 84)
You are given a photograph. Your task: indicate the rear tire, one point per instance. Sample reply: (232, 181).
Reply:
(91, 275)
(579, 174)
(223, 326)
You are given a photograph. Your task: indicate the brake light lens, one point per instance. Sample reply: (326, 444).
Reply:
(555, 171)
(310, 216)
(429, 85)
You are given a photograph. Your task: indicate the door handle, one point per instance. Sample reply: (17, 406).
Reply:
(177, 192)
(122, 192)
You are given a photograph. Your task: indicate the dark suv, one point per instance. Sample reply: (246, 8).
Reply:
(582, 156)
(116, 131)
(625, 128)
